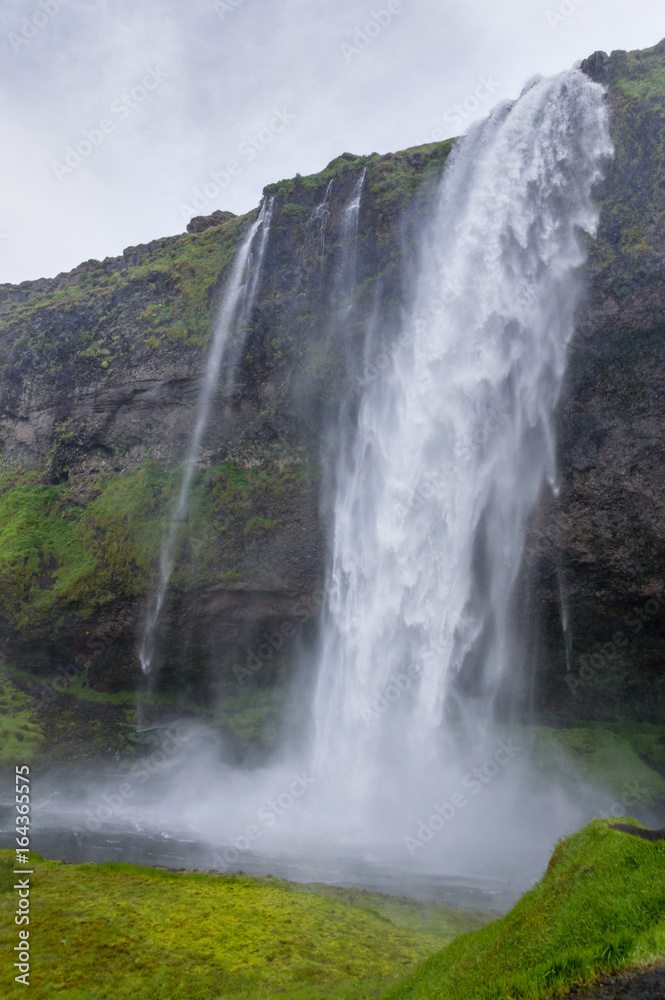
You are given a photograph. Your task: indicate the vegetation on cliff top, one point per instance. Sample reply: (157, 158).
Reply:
(110, 316)
(631, 236)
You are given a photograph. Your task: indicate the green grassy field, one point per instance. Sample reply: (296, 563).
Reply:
(600, 907)
(119, 931)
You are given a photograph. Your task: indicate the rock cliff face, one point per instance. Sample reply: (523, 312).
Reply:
(99, 374)
(598, 548)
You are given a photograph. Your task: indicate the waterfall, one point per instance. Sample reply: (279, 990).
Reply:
(317, 224)
(346, 280)
(452, 445)
(233, 316)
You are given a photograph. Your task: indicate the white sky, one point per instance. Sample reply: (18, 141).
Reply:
(220, 75)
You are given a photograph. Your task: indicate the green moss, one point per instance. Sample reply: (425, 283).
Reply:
(63, 557)
(257, 525)
(168, 298)
(123, 931)
(600, 907)
(631, 235)
(643, 73)
(55, 553)
(21, 736)
(153, 699)
(646, 739)
(294, 211)
(250, 720)
(608, 757)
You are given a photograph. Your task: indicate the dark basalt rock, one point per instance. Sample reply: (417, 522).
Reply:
(595, 66)
(636, 831)
(636, 984)
(202, 222)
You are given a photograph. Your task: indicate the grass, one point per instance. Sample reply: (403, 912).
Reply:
(643, 73)
(64, 554)
(21, 737)
(614, 757)
(172, 294)
(120, 931)
(600, 907)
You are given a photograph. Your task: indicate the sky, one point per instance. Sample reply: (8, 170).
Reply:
(123, 118)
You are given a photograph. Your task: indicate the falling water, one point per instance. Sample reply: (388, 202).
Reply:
(449, 450)
(453, 445)
(317, 225)
(346, 279)
(233, 315)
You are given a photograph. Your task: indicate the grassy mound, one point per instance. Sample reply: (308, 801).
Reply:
(116, 931)
(600, 907)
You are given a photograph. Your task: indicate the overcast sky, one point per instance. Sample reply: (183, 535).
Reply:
(170, 92)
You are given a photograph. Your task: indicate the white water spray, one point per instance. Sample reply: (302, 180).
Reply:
(453, 445)
(317, 225)
(350, 219)
(234, 313)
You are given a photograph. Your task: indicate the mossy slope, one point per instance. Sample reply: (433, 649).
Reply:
(600, 907)
(63, 554)
(21, 736)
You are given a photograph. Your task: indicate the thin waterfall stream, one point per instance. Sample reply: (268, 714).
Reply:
(237, 301)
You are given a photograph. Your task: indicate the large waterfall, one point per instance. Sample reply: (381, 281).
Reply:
(453, 445)
(441, 459)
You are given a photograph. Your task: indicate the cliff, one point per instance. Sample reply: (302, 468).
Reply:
(99, 374)
(598, 548)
